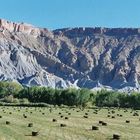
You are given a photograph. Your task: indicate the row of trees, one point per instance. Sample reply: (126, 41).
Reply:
(70, 97)
(117, 99)
(12, 92)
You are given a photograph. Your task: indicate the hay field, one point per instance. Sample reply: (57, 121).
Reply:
(68, 124)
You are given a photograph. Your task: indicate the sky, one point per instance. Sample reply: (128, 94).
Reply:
(54, 14)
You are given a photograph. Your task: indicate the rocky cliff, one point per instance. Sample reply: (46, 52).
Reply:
(79, 57)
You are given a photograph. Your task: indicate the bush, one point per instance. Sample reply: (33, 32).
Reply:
(24, 101)
(9, 88)
(8, 99)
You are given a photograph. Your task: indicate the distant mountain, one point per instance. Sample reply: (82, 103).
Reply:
(77, 57)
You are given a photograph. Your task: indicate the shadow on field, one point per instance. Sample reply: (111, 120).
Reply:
(29, 135)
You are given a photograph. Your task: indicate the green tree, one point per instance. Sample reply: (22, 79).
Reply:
(9, 88)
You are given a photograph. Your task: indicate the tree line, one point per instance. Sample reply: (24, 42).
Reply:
(12, 92)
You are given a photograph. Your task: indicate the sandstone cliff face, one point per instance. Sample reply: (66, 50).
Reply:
(79, 57)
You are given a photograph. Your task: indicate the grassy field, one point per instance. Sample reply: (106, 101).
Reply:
(77, 126)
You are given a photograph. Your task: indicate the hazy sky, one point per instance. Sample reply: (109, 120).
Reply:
(73, 13)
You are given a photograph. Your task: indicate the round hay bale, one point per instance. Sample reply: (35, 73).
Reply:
(112, 111)
(30, 125)
(66, 118)
(100, 122)
(135, 114)
(63, 125)
(95, 112)
(127, 121)
(118, 114)
(95, 127)
(86, 113)
(104, 123)
(7, 122)
(35, 133)
(85, 116)
(25, 116)
(116, 136)
(54, 120)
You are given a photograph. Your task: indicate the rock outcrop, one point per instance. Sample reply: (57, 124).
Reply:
(79, 57)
